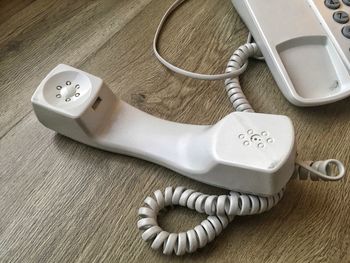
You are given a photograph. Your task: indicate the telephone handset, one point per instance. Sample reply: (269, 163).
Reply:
(306, 44)
(253, 155)
(247, 152)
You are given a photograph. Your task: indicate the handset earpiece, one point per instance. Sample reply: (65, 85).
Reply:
(247, 152)
(69, 101)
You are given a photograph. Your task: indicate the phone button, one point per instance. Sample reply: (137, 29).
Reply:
(332, 4)
(341, 17)
(347, 2)
(346, 31)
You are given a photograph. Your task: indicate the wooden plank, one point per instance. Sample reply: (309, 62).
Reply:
(8, 9)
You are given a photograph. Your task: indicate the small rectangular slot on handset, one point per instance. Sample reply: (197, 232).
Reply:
(96, 103)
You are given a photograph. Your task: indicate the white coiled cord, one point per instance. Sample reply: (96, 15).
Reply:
(221, 209)
(233, 87)
(319, 170)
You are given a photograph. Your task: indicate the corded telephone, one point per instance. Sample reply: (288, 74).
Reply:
(253, 155)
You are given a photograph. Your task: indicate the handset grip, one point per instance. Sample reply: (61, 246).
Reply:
(133, 132)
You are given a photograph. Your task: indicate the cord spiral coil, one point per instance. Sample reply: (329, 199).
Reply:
(220, 210)
(238, 60)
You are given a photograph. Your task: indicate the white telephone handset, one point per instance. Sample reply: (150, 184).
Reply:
(251, 154)
(248, 152)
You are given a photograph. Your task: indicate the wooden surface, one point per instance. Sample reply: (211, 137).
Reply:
(61, 201)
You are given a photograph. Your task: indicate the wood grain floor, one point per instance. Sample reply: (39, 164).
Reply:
(61, 201)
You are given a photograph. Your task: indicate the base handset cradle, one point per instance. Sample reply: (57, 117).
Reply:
(248, 152)
(305, 45)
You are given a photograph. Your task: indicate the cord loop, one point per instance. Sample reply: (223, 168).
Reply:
(234, 72)
(319, 170)
(220, 210)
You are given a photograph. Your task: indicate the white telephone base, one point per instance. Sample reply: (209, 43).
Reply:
(305, 44)
(247, 152)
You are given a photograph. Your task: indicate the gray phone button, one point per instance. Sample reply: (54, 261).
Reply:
(341, 17)
(346, 31)
(347, 2)
(332, 4)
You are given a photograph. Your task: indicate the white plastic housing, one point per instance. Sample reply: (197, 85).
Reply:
(247, 152)
(305, 51)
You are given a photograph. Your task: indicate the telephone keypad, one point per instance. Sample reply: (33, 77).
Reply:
(334, 16)
(340, 16)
